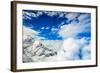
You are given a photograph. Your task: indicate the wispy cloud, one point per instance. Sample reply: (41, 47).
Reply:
(49, 13)
(72, 15)
(26, 15)
(83, 17)
(29, 15)
(54, 29)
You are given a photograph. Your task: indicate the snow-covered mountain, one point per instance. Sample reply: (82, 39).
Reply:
(34, 50)
(37, 52)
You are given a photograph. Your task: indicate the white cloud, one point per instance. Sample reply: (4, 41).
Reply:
(54, 29)
(51, 13)
(27, 33)
(39, 13)
(26, 15)
(86, 21)
(55, 45)
(46, 27)
(61, 14)
(43, 28)
(62, 23)
(82, 17)
(68, 49)
(71, 16)
(29, 15)
(87, 52)
(33, 14)
(36, 14)
(72, 48)
(71, 30)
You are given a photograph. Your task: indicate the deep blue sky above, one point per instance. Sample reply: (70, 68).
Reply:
(49, 23)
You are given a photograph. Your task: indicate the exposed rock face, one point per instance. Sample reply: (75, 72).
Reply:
(35, 51)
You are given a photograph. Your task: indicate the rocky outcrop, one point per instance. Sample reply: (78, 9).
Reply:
(34, 51)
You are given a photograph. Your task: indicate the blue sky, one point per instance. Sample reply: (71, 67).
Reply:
(57, 25)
